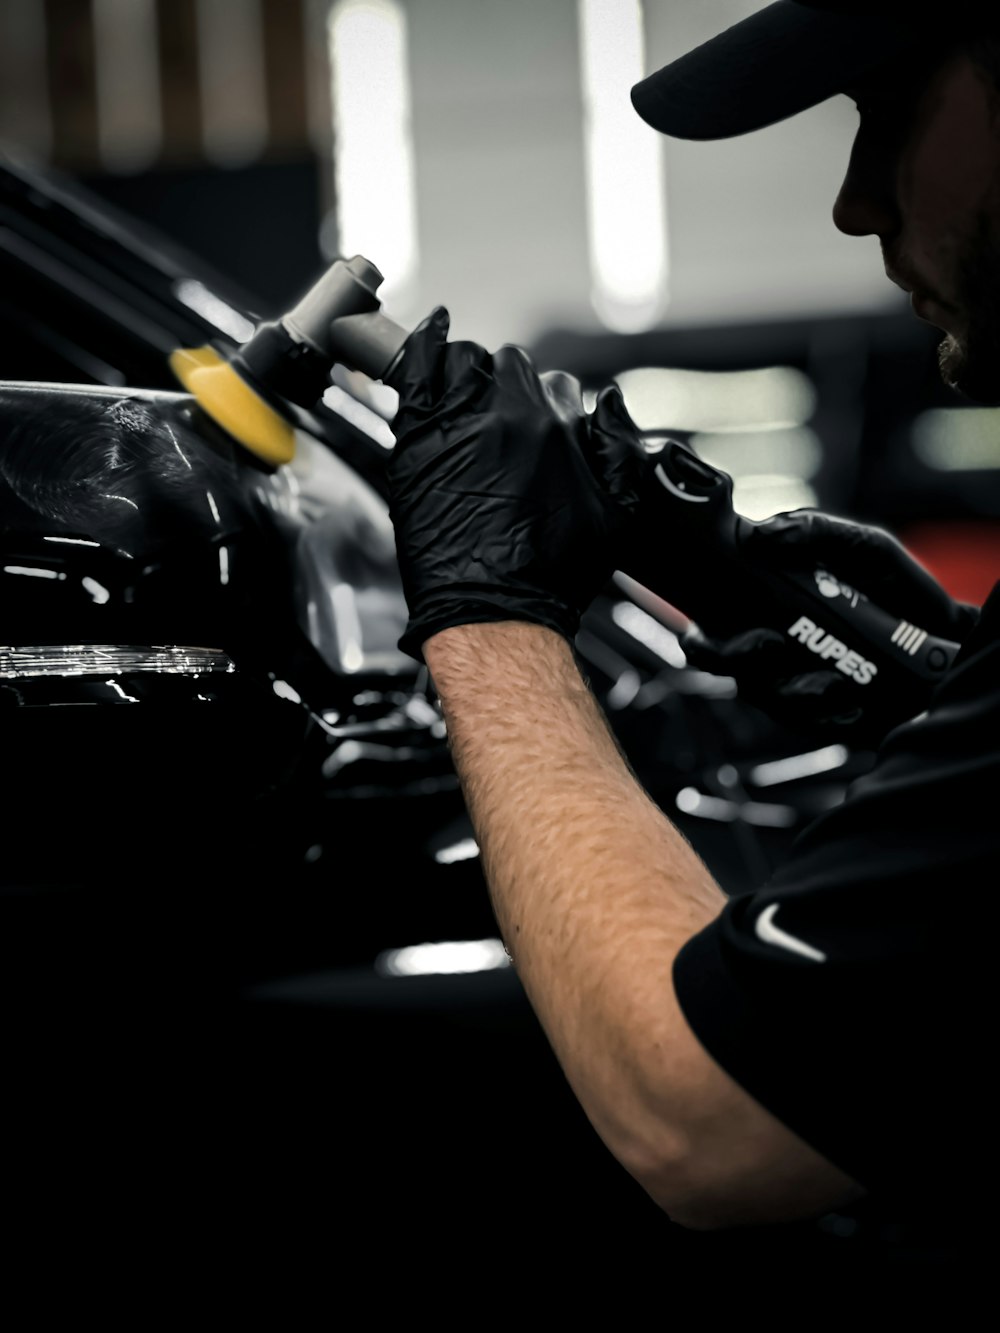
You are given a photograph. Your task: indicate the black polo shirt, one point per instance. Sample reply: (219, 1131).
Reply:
(850, 994)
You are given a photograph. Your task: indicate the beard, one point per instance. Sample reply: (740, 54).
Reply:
(970, 363)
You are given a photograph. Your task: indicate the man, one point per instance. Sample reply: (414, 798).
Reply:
(785, 1053)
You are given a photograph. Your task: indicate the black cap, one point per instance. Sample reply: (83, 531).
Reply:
(791, 55)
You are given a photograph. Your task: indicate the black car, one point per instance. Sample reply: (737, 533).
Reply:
(247, 949)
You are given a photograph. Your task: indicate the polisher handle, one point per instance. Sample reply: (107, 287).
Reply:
(704, 568)
(341, 318)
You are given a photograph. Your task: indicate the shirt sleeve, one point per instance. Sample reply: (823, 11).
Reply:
(847, 995)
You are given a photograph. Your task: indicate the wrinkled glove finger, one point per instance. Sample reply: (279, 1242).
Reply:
(418, 375)
(821, 701)
(615, 450)
(565, 395)
(515, 374)
(436, 377)
(730, 657)
(805, 537)
(816, 703)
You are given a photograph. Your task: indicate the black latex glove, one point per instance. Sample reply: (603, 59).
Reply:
(493, 487)
(823, 703)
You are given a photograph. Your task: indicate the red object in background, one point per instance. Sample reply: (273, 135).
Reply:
(963, 555)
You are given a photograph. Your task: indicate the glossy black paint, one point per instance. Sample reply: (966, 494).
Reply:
(153, 526)
(196, 642)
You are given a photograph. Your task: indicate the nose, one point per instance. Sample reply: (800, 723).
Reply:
(866, 202)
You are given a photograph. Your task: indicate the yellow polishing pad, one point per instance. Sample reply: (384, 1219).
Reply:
(231, 402)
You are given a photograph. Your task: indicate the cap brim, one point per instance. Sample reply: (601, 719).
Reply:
(777, 62)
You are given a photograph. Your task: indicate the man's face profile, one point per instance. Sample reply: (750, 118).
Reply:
(924, 176)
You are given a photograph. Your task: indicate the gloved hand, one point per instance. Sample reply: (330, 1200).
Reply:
(767, 670)
(493, 486)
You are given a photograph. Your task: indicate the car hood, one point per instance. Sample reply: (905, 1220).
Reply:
(134, 502)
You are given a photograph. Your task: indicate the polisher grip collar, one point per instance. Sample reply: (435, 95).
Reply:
(340, 318)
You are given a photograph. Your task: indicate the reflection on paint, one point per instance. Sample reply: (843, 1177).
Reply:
(130, 491)
(444, 959)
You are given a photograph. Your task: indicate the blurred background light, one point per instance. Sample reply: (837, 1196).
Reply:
(231, 80)
(690, 801)
(795, 451)
(25, 86)
(127, 83)
(642, 627)
(446, 958)
(668, 398)
(196, 296)
(466, 849)
(342, 401)
(763, 496)
(772, 469)
(348, 626)
(749, 423)
(373, 165)
(624, 159)
(796, 766)
(958, 439)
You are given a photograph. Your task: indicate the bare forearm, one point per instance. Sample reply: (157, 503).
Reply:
(593, 888)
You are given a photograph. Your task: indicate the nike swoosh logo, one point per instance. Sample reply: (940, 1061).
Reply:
(770, 934)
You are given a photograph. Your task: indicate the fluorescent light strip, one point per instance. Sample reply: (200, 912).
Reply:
(126, 48)
(232, 84)
(761, 497)
(625, 177)
(765, 398)
(372, 144)
(197, 297)
(25, 112)
(958, 439)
